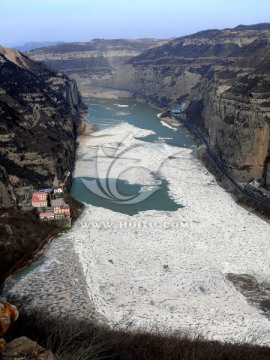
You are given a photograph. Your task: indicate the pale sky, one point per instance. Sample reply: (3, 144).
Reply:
(82, 20)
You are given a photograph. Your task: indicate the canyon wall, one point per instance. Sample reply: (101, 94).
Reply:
(236, 119)
(92, 63)
(39, 116)
(221, 75)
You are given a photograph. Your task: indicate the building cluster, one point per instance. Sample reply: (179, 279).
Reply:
(50, 204)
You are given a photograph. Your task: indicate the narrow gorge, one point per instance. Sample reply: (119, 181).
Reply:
(173, 263)
(221, 75)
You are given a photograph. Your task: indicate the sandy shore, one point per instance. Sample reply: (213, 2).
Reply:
(160, 269)
(169, 120)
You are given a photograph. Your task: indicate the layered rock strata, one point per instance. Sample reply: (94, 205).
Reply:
(222, 76)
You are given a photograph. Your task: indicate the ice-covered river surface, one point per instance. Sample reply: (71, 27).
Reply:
(157, 268)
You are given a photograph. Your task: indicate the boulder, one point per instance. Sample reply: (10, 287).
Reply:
(25, 348)
(22, 346)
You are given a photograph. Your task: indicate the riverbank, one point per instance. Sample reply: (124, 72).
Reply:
(24, 237)
(157, 269)
(169, 120)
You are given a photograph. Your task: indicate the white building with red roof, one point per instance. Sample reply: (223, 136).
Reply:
(58, 190)
(49, 215)
(39, 199)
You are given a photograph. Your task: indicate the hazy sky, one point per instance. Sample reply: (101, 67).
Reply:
(71, 20)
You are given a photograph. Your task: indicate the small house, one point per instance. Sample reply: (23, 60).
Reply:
(61, 211)
(60, 208)
(58, 190)
(39, 199)
(176, 110)
(46, 215)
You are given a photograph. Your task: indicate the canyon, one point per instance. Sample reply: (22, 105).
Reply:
(149, 277)
(221, 76)
(155, 269)
(94, 62)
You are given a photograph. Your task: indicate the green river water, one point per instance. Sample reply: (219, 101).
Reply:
(108, 113)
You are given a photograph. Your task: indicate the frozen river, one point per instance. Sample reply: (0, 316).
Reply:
(161, 266)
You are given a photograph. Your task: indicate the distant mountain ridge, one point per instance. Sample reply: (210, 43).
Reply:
(261, 26)
(96, 59)
(35, 45)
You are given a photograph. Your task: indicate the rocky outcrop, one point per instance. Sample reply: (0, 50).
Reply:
(24, 348)
(39, 115)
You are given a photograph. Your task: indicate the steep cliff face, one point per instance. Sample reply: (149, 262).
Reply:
(170, 72)
(92, 63)
(39, 113)
(236, 112)
(224, 77)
